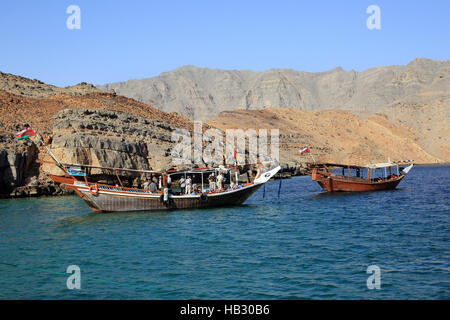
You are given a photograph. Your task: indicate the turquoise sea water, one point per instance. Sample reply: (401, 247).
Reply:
(305, 245)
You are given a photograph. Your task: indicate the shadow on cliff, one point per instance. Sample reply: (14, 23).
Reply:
(17, 168)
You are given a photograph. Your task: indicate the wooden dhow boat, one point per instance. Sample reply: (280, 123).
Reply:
(102, 197)
(372, 177)
(157, 195)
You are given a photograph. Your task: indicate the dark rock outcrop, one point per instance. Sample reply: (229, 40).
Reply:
(17, 168)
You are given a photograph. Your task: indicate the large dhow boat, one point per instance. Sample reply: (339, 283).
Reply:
(108, 189)
(371, 177)
(163, 190)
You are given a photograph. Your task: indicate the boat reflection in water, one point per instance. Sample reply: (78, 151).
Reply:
(341, 177)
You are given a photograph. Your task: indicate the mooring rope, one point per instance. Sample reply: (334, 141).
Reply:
(279, 186)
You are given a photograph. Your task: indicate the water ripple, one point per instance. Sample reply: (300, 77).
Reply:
(305, 245)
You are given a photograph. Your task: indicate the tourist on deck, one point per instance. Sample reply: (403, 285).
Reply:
(153, 187)
(219, 182)
(145, 185)
(223, 180)
(188, 185)
(182, 185)
(160, 183)
(212, 182)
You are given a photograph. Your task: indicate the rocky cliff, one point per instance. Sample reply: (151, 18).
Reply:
(201, 93)
(91, 128)
(110, 139)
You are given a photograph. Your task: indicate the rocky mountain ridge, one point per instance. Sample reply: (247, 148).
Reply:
(37, 89)
(202, 93)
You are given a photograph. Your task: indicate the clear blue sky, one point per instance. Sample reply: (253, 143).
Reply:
(122, 40)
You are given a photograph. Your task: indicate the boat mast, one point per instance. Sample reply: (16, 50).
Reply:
(202, 181)
(42, 142)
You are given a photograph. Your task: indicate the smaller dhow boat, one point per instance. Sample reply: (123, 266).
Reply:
(341, 177)
(164, 190)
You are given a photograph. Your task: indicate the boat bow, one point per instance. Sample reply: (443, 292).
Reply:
(406, 170)
(264, 177)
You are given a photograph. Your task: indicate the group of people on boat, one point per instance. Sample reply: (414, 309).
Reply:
(187, 185)
(216, 182)
(153, 184)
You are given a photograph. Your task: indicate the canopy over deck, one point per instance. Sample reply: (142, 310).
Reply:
(334, 165)
(171, 171)
(109, 168)
(367, 166)
(387, 164)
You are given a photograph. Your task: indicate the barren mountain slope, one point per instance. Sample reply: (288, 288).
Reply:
(201, 93)
(37, 89)
(430, 123)
(333, 135)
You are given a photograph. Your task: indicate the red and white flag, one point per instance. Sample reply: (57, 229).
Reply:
(304, 150)
(25, 133)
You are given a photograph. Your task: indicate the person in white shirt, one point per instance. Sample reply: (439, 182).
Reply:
(188, 185)
(183, 185)
(219, 182)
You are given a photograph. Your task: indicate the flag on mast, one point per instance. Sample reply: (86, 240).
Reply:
(304, 150)
(25, 133)
(232, 157)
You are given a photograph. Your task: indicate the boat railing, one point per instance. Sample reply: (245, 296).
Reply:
(373, 180)
(349, 178)
(126, 189)
(108, 187)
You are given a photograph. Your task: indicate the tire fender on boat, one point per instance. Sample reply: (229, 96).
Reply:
(203, 198)
(93, 189)
(165, 197)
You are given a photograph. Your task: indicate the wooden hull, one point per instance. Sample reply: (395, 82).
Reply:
(120, 201)
(334, 184)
